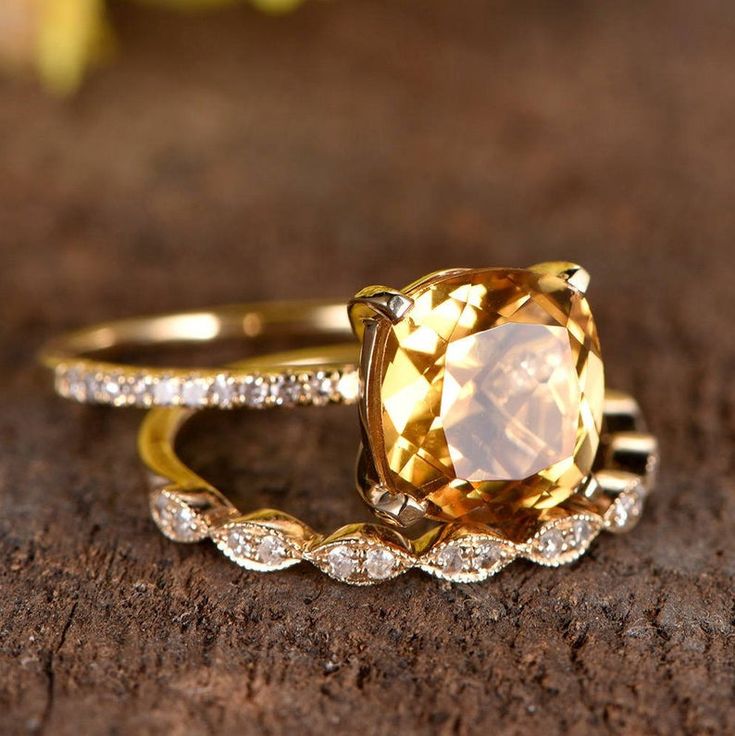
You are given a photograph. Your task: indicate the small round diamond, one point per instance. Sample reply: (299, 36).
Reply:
(627, 508)
(451, 559)
(182, 522)
(177, 520)
(91, 390)
(551, 543)
(342, 562)
(271, 550)
(320, 388)
(286, 391)
(379, 563)
(112, 388)
(255, 391)
(487, 556)
(238, 544)
(581, 532)
(194, 392)
(165, 391)
(222, 390)
(348, 386)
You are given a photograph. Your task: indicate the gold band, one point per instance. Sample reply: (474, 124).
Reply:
(306, 376)
(187, 508)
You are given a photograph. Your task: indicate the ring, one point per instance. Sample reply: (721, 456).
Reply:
(83, 372)
(187, 508)
(483, 393)
(483, 407)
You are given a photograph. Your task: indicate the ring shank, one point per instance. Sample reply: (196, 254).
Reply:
(306, 375)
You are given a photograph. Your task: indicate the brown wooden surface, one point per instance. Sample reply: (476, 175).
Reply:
(233, 156)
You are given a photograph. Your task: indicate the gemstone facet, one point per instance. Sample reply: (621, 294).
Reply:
(489, 393)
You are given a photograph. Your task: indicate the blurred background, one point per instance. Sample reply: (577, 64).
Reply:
(162, 155)
(170, 155)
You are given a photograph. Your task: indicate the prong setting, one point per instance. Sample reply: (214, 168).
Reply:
(574, 274)
(377, 301)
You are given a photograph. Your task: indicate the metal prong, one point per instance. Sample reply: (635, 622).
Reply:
(377, 300)
(399, 509)
(572, 273)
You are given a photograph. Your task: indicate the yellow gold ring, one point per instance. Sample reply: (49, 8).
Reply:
(483, 406)
(187, 508)
(482, 403)
(83, 372)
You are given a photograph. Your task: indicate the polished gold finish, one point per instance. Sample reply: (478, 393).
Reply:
(485, 397)
(306, 376)
(187, 508)
(482, 404)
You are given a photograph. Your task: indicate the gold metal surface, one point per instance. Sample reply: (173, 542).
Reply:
(187, 508)
(83, 375)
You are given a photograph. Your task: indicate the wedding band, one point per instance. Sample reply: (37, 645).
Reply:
(187, 508)
(482, 406)
(321, 375)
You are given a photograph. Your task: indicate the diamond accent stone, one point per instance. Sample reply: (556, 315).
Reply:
(254, 546)
(487, 556)
(551, 543)
(223, 390)
(255, 391)
(468, 558)
(581, 533)
(320, 388)
(166, 391)
(348, 386)
(379, 563)
(194, 392)
(452, 559)
(491, 393)
(176, 519)
(286, 391)
(239, 544)
(342, 561)
(626, 509)
(564, 540)
(271, 550)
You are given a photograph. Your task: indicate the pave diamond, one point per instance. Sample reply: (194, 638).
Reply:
(194, 392)
(564, 540)
(256, 547)
(320, 388)
(223, 390)
(166, 391)
(491, 393)
(255, 391)
(581, 533)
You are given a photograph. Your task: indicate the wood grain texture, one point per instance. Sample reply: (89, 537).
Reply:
(233, 156)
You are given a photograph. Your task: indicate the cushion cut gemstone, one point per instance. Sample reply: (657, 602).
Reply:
(491, 393)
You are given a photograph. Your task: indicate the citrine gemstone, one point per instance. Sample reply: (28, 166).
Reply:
(490, 393)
